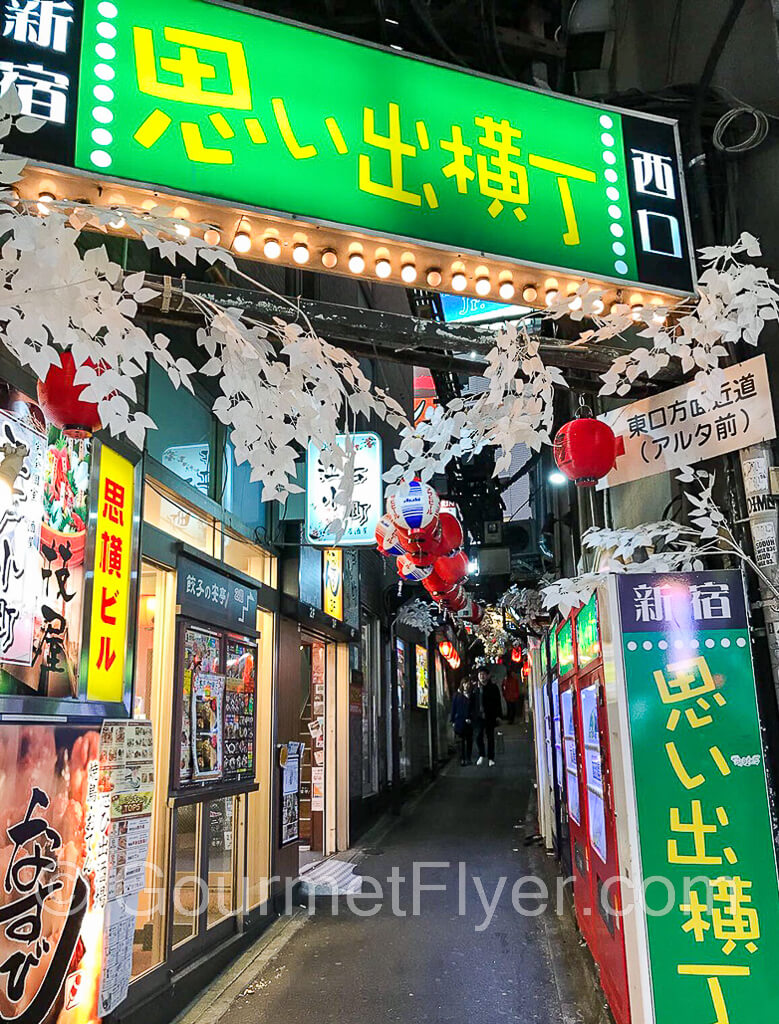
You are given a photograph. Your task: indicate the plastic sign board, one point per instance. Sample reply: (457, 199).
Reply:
(333, 581)
(113, 569)
(323, 483)
(675, 429)
(704, 826)
(565, 647)
(423, 684)
(587, 633)
(205, 98)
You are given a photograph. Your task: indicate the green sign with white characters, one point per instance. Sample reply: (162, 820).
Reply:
(218, 101)
(700, 783)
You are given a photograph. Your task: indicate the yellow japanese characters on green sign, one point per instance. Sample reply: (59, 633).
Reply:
(220, 102)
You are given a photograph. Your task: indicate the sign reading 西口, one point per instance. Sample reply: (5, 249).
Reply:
(674, 429)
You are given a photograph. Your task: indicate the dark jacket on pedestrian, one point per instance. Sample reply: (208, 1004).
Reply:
(461, 712)
(486, 702)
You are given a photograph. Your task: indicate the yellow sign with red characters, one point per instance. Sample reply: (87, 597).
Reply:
(334, 582)
(113, 571)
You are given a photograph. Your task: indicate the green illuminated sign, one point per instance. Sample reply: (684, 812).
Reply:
(587, 636)
(209, 99)
(544, 657)
(565, 647)
(700, 782)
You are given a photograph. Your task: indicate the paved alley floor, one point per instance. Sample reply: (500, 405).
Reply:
(451, 960)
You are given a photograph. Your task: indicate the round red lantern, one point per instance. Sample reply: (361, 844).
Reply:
(454, 661)
(59, 398)
(453, 567)
(586, 449)
(433, 584)
(388, 537)
(456, 601)
(516, 654)
(447, 648)
(451, 533)
(477, 614)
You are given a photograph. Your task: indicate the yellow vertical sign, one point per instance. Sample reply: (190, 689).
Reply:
(334, 582)
(112, 572)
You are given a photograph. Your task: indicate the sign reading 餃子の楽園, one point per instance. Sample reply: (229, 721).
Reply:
(205, 98)
(325, 479)
(704, 826)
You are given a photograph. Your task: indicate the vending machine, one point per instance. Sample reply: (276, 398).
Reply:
(603, 898)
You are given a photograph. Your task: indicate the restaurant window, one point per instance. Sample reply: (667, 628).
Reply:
(184, 440)
(249, 559)
(181, 520)
(240, 495)
(154, 666)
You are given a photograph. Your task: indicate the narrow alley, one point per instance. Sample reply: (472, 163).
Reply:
(441, 964)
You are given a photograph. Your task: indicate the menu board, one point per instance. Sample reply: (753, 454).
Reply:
(201, 654)
(290, 756)
(593, 772)
(569, 748)
(126, 792)
(207, 726)
(239, 698)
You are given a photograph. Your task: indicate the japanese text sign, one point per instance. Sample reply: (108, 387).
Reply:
(211, 596)
(700, 785)
(423, 683)
(323, 482)
(208, 98)
(113, 572)
(333, 580)
(674, 429)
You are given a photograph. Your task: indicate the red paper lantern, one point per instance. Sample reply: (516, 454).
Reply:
(456, 599)
(454, 661)
(451, 533)
(410, 571)
(453, 567)
(59, 398)
(477, 614)
(434, 585)
(447, 649)
(516, 654)
(586, 449)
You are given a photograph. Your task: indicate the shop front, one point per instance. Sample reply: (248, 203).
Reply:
(204, 676)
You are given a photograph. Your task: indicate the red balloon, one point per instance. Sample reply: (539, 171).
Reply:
(451, 533)
(453, 567)
(59, 398)
(586, 449)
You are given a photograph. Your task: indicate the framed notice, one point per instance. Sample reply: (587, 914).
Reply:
(289, 764)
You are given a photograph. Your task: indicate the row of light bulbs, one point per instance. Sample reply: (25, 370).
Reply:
(243, 243)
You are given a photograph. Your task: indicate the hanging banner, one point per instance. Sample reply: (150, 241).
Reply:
(701, 794)
(673, 429)
(349, 134)
(323, 483)
(423, 684)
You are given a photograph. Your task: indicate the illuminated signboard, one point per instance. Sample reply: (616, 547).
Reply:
(323, 482)
(215, 101)
(544, 658)
(587, 635)
(334, 583)
(704, 824)
(423, 686)
(466, 309)
(565, 647)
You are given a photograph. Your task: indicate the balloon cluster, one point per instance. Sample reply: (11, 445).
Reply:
(428, 546)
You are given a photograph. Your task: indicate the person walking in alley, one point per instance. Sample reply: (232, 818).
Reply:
(512, 693)
(487, 708)
(462, 721)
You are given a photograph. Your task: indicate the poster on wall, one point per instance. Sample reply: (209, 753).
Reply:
(699, 776)
(50, 951)
(423, 684)
(201, 654)
(290, 757)
(318, 789)
(43, 534)
(127, 784)
(239, 704)
(207, 726)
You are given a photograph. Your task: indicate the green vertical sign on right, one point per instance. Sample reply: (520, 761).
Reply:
(704, 824)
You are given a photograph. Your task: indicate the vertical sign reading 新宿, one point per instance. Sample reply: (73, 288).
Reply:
(701, 795)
